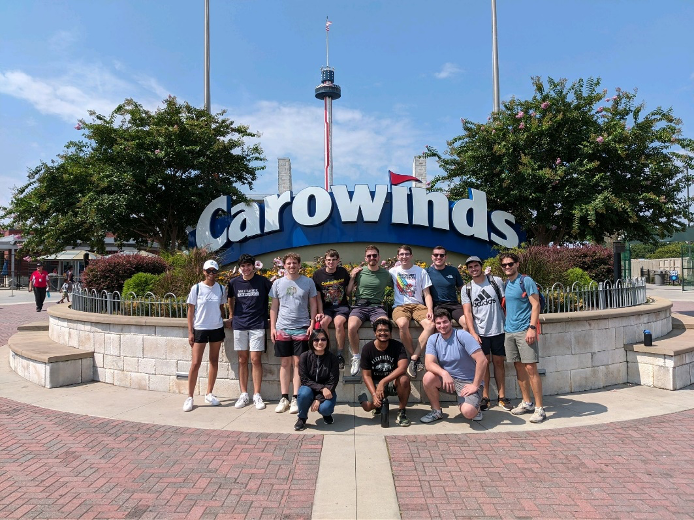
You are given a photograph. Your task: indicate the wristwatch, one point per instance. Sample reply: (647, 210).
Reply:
(532, 327)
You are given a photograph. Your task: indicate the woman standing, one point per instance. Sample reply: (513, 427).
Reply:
(205, 325)
(319, 371)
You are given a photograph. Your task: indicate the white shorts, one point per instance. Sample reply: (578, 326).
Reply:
(255, 338)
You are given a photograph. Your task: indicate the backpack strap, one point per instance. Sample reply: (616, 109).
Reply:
(468, 289)
(524, 293)
(496, 287)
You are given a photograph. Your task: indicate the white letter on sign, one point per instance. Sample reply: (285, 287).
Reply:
(246, 222)
(476, 225)
(203, 233)
(361, 200)
(300, 206)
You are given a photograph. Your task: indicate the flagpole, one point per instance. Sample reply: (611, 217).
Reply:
(495, 59)
(207, 56)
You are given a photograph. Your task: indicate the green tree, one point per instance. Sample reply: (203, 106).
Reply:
(575, 164)
(141, 175)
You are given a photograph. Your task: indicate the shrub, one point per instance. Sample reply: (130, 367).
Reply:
(188, 272)
(671, 250)
(595, 260)
(110, 273)
(576, 274)
(639, 250)
(140, 284)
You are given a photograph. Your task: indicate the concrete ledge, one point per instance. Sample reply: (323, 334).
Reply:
(668, 364)
(656, 305)
(677, 341)
(35, 326)
(37, 346)
(65, 312)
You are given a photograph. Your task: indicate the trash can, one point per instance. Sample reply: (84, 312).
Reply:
(659, 278)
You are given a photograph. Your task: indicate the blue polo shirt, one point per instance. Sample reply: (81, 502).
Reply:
(518, 308)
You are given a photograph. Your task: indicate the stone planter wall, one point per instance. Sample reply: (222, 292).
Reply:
(578, 351)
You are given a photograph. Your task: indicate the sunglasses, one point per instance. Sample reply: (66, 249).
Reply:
(372, 256)
(510, 264)
(211, 271)
(438, 255)
(320, 339)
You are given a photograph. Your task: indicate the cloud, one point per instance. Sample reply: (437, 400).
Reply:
(365, 146)
(448, 70)
(81, 88)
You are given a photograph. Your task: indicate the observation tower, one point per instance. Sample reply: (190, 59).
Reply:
(327, 91)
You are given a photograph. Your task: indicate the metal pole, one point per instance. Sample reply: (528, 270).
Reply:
(207, 55)
(495, 58)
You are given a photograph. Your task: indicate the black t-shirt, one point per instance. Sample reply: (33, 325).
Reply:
(332, 287)
(382, 362)
(250, 302)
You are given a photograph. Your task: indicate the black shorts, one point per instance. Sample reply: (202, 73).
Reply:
(494, 344)
(337, 311)
(208, 336)
(288, 344)
(455, 309)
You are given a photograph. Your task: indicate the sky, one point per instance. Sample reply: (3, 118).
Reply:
(409, 71)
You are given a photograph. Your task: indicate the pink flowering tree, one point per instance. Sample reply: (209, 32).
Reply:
(575, 163)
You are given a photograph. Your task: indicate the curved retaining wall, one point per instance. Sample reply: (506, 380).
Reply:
(578, 351)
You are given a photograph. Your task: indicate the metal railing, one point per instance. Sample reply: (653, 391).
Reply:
(596, 296)
(170, 306)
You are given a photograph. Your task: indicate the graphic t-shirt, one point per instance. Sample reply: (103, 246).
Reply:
(371, 286)
(409, 284)
(444, 284)
(208, 315)
(382, 362)
(486, 307)
(518, 308)
(453, 354)
(332, 287)
(294, 297)
(250, 302)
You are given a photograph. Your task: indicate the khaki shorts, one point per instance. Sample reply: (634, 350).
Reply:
(518, 350)
(411, 311)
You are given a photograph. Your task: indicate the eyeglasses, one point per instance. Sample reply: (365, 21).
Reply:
(320, 339)
(211, 271)
(404, 254)
(372, 256)
(438, 255)
(383, 332)
(331, 259)
(510, 264)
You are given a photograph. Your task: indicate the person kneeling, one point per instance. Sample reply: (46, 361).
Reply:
(384, 371)
(319, 371)
(455, 364)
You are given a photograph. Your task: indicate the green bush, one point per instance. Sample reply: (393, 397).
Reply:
(188, 272)
(639, 250)
(667, 250)
(111, 272)
(576, 274)
(140, 284)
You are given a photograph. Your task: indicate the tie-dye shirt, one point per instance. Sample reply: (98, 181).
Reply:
(409, 284)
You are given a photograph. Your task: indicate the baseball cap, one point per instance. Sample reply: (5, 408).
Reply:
(210, 264)
(473, 259)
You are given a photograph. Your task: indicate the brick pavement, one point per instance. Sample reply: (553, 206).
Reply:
(61, 465)
(633, 469)
(11, 316)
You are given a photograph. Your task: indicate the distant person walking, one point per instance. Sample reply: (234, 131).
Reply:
(38, 283)
(205, 325)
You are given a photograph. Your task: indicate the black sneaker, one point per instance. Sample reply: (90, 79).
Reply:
(484, 403)
(402, 419)
(505, 403)
(362, 398)
(328, 419)
(412, 368)
(300, 424)
(340, 361)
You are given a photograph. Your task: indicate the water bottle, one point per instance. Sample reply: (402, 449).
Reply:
(647, 338)
(385, 408)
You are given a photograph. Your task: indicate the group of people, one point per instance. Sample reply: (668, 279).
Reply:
(497, 319)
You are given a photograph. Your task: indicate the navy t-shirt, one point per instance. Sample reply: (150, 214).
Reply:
(250, 302)
(445, 283)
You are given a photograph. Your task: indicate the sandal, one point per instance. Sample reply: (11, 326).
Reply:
(484, 403)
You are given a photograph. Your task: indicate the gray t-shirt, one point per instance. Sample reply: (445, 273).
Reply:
(486, 307)
(294, 297)
(453, 354)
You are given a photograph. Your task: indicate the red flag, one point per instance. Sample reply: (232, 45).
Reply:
(396, 178)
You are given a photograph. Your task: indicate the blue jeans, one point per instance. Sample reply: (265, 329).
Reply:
(305, 398)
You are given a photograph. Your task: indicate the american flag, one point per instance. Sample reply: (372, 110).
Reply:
(328, 23)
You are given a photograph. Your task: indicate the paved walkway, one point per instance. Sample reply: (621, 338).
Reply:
(99, 451)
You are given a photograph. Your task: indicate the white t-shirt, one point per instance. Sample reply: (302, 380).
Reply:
(208, 315)
(488, 316)
(408, 285)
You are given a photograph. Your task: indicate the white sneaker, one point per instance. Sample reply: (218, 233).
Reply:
(354, 370)
(478, 417)
(294, 407)
(242, 401)
(188, 405)
(258, 402)
(212, 400)
(283, 405)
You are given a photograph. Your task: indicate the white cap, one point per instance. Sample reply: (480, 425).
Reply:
(212, 264)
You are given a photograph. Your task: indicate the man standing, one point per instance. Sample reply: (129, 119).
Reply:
(332, 282)
(292, 316)
(38, 282)
(522, 316)
(383, 367)
(446, 283)
(248, 307)
(371, 284)
(410, 292)
(455, 364)
(482, 298)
